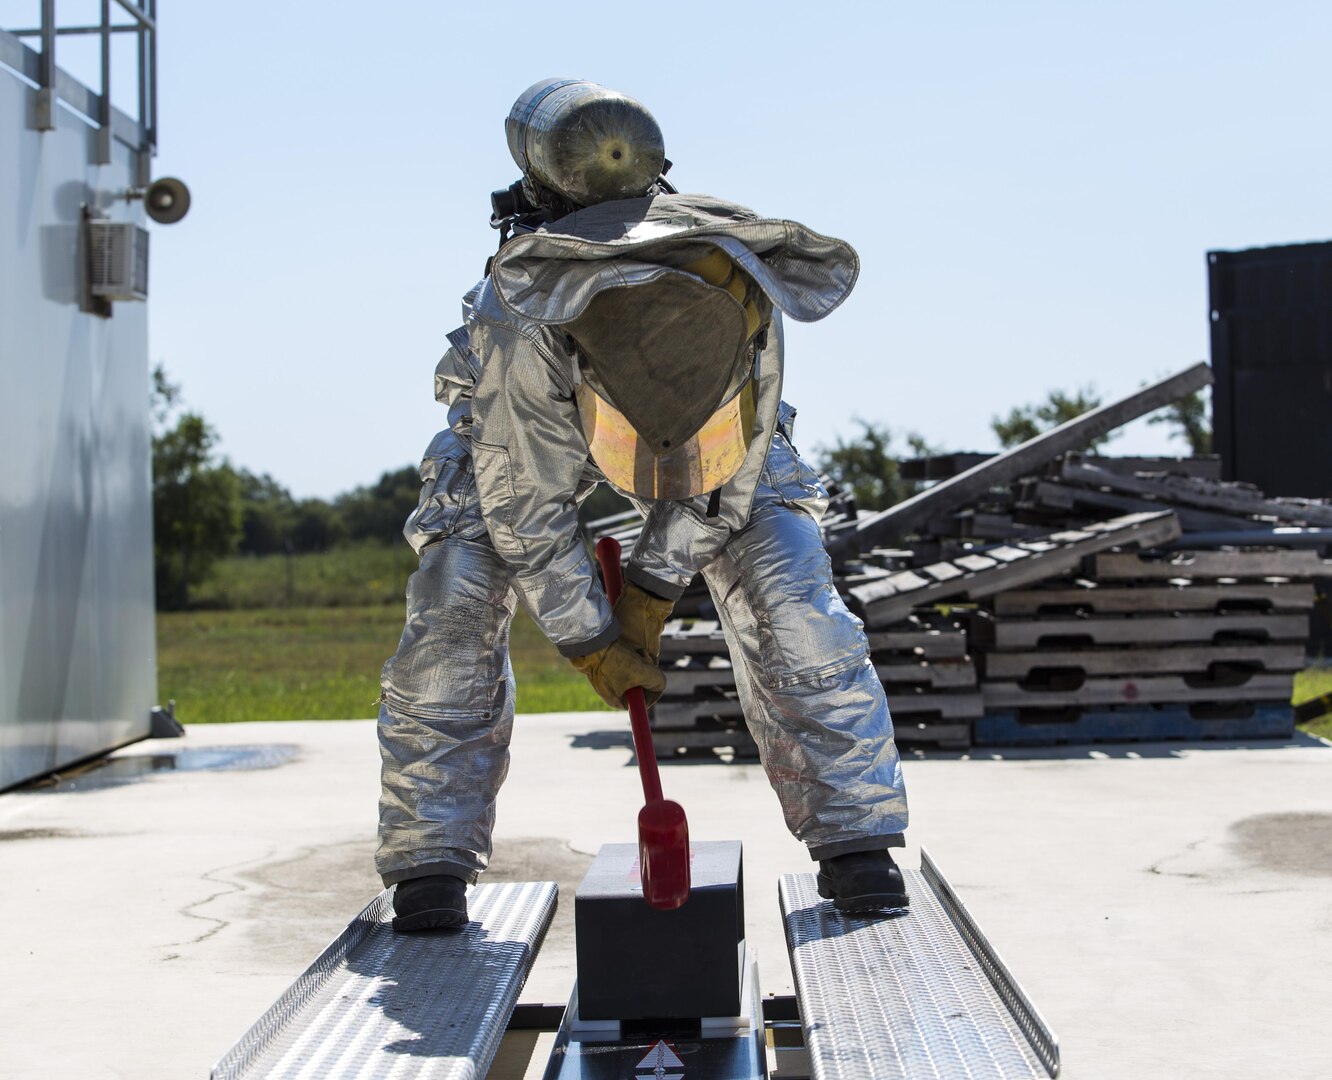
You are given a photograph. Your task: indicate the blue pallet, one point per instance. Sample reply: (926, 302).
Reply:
(1131, 724)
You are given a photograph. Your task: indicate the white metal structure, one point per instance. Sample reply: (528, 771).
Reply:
(77, 651)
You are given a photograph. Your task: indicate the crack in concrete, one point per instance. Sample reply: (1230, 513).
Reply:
(1156, 867)
(232, 887)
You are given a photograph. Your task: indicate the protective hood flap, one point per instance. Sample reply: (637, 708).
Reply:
(551, 275)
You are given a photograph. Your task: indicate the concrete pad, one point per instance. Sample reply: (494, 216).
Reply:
(1167, 907)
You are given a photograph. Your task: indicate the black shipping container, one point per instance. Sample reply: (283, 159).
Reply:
(1271, 311)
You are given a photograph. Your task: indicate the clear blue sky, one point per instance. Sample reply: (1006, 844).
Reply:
(1031, 187)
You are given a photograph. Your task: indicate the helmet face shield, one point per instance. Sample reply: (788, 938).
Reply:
(702, 463)
(585, 142)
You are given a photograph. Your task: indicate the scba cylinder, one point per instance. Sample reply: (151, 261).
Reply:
(585, 142)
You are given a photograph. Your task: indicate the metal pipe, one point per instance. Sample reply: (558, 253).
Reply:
(143, 89)
(104, 134)
(62, 31)
(144, 18)
(104, 108)
(153, 74)
(46, 72)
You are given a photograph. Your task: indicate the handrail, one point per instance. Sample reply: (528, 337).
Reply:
(49, 84)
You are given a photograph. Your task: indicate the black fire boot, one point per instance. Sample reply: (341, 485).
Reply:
(862, 881)
(438, 902)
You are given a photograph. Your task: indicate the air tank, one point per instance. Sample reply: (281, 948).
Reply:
(586, 142)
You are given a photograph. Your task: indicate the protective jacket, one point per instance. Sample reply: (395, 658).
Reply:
(508, 379)
(497, 523)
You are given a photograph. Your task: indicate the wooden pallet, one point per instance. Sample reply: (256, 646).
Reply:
(1194, 565)
(925, 645)
(692, 637)
(1240, 500)
(896, 672)
(940, 735)
(982, 574)
(925, 638)
(1009, 633)
(1052, 498)
(1151, 689)
(906, 702)
(1250, 720)
(1256, 597)
(1149, 660)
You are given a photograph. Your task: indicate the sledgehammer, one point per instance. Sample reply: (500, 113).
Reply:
(663, 832)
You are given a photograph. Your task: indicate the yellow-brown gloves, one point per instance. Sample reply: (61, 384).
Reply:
(642, 617)
(614, 670)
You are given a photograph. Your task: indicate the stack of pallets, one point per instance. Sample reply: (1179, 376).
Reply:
(1194, 645)
(922, 660)
(1040, 595)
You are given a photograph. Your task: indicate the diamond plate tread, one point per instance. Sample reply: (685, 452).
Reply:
(902, 995)
(428, 1006)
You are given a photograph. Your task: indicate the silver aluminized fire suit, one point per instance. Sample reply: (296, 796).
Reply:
(497, 525)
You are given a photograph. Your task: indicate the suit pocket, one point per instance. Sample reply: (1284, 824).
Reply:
(494, 484)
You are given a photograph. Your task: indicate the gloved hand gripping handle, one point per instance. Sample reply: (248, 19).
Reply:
(663, 831)
(608, 555)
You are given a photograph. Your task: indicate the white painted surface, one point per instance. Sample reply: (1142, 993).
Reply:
(143, 927)
(77, 652)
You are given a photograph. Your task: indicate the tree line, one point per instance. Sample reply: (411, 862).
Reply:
(205, 509)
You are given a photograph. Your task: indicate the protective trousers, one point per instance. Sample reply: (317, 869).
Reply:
(810, 695)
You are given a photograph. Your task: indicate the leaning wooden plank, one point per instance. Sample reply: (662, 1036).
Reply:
(1163, 689)
(1238, 499)
(1265, 596)
(1152, 660)
(1149, 629)
(882, 602)
(964, 488)
(1127, 566)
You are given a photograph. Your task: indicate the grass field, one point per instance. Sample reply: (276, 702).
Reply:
(351, 575)
(303, 638)
(320, 663)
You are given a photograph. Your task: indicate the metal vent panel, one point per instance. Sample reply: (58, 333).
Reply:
(118, 260)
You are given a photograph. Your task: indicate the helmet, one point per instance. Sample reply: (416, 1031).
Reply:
(583, 142)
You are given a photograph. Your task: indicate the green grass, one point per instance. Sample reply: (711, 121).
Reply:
(351, 575)
(1311, 683)
(320, 663)
(304, 637)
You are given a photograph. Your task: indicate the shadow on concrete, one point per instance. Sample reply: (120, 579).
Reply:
(602, 740)
(126, 769)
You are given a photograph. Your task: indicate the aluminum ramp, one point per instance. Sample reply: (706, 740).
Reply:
(418, 1006)
(909, 995)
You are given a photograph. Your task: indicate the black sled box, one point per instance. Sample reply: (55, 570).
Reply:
(635, 962)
